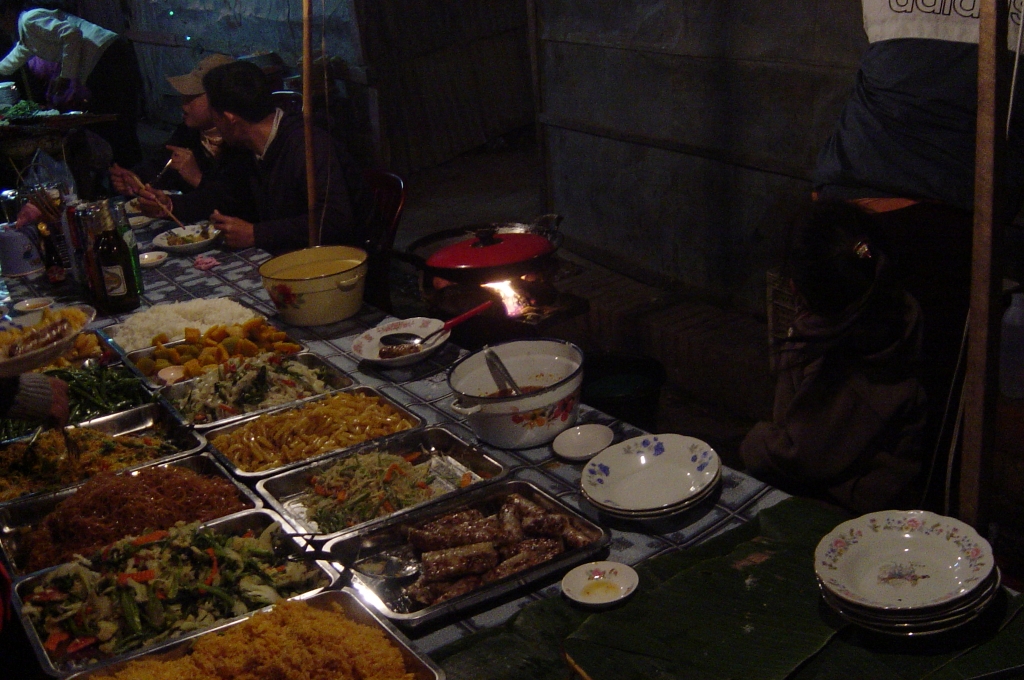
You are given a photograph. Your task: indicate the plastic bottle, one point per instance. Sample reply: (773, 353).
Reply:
(1011, 350)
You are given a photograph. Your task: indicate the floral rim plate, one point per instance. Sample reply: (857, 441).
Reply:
(902, 560)
(600, 583)
(650, 472)
(367, 345)
(160, 240)
(667, 511)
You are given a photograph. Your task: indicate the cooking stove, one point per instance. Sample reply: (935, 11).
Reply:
(527, 306)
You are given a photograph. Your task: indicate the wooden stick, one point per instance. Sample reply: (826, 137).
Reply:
(162, 206)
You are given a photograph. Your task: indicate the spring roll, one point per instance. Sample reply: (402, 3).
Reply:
(450, 563)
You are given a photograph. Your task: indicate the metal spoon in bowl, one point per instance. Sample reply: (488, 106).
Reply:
(502, 378)
(392, 339)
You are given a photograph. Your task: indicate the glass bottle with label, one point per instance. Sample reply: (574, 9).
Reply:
(124, 228)
(115, 262)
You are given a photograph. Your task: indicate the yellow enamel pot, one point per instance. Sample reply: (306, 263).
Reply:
(316, 286)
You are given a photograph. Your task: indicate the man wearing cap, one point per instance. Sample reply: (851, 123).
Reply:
(195, 148)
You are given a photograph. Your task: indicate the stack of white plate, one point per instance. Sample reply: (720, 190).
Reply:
(652, 476)
(906, 572)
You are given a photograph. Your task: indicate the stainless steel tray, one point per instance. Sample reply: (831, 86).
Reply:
(284, 492)
(248, 520)
(132, 358)
(417, 663)
(388, 536)
(334, 378)
(138, 421)
(19, 517)
(255, 476)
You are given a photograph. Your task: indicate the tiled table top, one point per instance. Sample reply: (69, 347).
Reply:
(424, 390)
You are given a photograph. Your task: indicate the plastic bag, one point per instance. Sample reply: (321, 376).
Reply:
(45, 169)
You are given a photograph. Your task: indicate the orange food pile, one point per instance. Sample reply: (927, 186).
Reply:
(200, 353)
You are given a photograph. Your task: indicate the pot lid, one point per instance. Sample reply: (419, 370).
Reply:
(488, 249)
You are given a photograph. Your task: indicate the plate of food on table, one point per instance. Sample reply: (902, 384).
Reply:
(191, 239)
(36, 338)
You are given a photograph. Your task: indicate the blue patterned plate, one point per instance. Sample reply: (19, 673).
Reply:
(650, 472)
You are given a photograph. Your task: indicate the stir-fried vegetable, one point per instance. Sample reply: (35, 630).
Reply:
(141, 590)
(243, 385)
(92, 392)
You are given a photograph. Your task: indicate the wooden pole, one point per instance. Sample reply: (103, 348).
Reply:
(307, 120)
(989, 220)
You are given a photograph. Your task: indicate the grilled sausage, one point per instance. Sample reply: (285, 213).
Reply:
(444, 565)
(476, 531)
(36, 338)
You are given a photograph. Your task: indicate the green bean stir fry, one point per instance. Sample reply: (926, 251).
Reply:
(92, 392)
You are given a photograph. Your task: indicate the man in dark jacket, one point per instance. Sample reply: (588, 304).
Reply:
(245, 114)
(209, 174)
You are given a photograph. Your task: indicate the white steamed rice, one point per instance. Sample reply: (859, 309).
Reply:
(138, 330)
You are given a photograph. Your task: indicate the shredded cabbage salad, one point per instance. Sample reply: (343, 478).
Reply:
(244, 385)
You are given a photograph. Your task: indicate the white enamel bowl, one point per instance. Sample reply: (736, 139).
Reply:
(551, 374)
(600, 583)
(902, 560)
(367, 345)
(650, 472)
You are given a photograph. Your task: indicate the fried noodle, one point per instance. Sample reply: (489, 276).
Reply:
(109, 507)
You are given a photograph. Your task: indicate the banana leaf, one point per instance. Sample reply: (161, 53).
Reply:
(752, 613)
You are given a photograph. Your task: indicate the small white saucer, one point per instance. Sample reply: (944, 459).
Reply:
(583, 441)
(600, 583)
(153, 258)
(32, 304)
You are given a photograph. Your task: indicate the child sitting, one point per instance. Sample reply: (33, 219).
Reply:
(849, 411)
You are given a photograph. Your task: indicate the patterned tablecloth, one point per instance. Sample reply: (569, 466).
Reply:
(424, 390)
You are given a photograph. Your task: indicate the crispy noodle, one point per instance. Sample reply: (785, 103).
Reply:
(109, 507)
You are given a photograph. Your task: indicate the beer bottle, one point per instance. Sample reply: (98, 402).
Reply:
(124, 227)
(115, 262)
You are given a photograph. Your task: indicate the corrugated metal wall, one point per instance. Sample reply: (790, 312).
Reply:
(445, 76)
(452, 74)
(676, 133)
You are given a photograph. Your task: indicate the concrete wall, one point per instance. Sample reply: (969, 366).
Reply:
(677, 133)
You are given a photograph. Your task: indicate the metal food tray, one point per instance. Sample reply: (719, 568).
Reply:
(378, 539)
(255, 476)
(19, 517)
(248, 520)
(132, 358)
(136, 421)
(417, 663)
(284, 492)
(335, 379)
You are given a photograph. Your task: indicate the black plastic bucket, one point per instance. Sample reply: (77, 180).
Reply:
(626, 386)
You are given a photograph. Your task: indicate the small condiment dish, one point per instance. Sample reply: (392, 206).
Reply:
(598, 584)
(153, 258)
(32, 304)
(170, 374)
(583, 442)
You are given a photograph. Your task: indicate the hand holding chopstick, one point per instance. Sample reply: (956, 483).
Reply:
(146, 193)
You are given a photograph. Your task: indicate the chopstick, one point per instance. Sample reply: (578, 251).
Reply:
(162, 206)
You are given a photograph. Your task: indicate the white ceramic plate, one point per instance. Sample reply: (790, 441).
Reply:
(160, 240)
(902, 560)
(137, 221)
(153, 258)
(583, 442)
(367, 345)
(32, 304)
(650, 472)
(667, 511)
(600, 583)
(43, 355)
